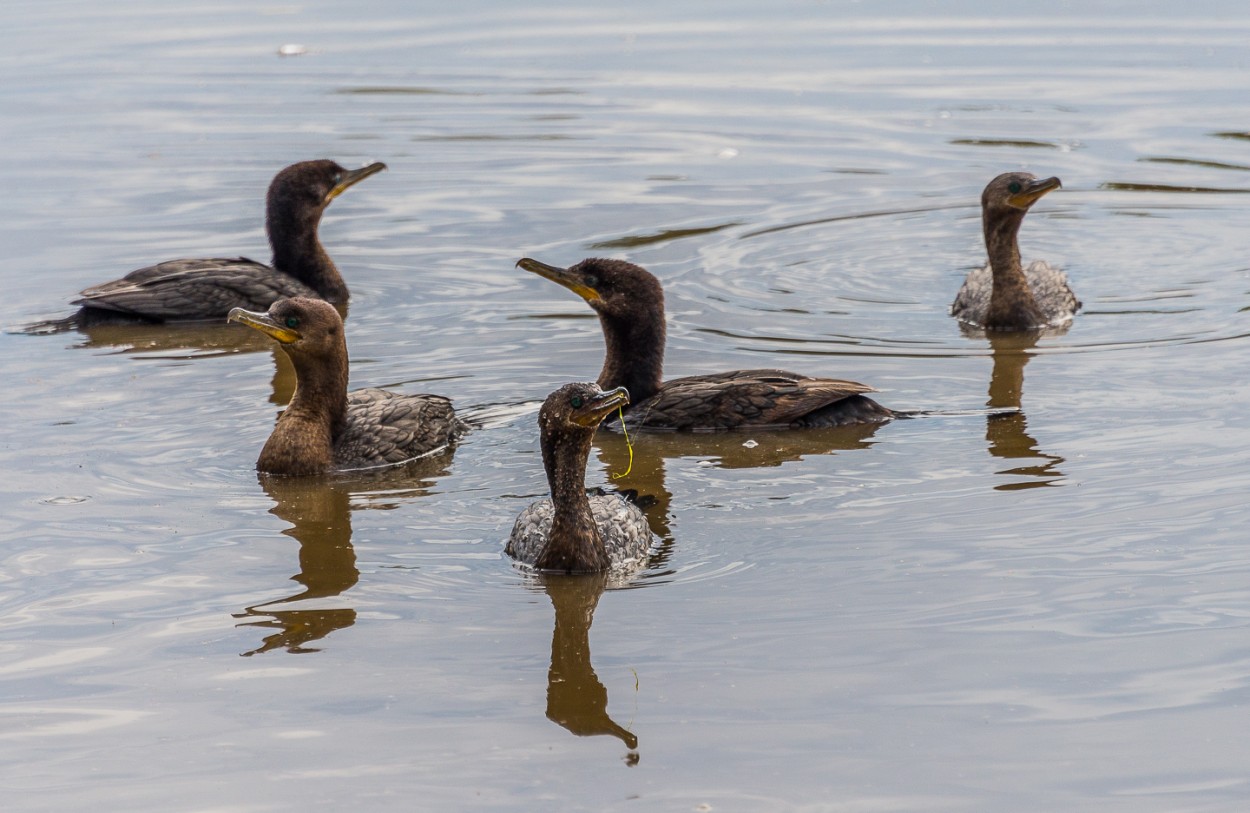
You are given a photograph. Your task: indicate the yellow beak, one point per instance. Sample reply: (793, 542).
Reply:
(560, 276)
(265, 324)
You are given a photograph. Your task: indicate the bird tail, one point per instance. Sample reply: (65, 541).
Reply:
(48, 327)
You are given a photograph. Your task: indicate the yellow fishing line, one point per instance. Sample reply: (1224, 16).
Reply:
(621, 411)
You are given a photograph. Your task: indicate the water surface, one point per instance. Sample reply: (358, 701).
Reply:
(1038, 611)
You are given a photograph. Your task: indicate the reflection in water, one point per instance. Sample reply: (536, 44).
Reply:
(576, 699)
(187, 340)
(320, 515)
(319, 510)
(284, 379)
(729, 450)
(199, 338)
(1006, 431)
(178, 340)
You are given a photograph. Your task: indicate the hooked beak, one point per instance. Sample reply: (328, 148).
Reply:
(601, 406)
(563, 277)
(352, 177)
(265, 324)
(1035, 189)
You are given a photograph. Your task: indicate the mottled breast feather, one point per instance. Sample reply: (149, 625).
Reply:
(1049, 285)
(622, 525)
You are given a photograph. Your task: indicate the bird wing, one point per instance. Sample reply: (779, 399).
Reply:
(741, 398)
(973, 298)
(193, 289)
(530, 532)
(623, 528)
(385, 427)
(1050, 289)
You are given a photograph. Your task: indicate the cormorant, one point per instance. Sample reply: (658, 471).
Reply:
(325, 428)
(208, 288)
(1003, 295)
(571, 531)
(630, 304)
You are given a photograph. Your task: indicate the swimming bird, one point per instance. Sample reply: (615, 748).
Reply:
(630, 303)
(1002, 295)
(208, 288)
(325, 428)
(573, 532)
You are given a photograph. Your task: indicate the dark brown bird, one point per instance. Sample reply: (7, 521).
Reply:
(208, 288)
(573, 532)
(630, 304)
(325, 428)
(1003, 295)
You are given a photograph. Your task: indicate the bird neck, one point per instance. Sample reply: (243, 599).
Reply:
(297, 250)
(304, 438)
(574, 544)
(634, 357)
(1012, 304)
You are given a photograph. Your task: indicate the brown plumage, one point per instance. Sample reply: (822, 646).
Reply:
(208, 288)
(630, 304)
(325, 428)
(572, 532)
(1003, 295)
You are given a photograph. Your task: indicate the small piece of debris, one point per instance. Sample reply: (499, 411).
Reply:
(750, 444)
(292, 49)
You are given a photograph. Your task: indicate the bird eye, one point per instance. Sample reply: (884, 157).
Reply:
(592, 281)
(1014, 187)
(292, 321)
(338, 177)
(576, 401)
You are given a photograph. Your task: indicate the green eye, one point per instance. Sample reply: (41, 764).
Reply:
(592, 281)
(1014, 187)
(576, 401)
(292, 321)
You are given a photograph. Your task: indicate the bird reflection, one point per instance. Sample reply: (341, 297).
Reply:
(1006, 432)
(177, 340)
(184, 340)
(200, 338)
(319, 510)
(729, 450)
(576, 699)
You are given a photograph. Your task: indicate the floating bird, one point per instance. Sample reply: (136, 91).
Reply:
(208, 288)
(630, 304)
(325, 428)
(1002, 295)
(573, 532)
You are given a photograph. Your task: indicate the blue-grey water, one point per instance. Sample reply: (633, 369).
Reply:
(1049, 611)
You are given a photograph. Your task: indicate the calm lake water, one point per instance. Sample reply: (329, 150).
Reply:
(1049, 611)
